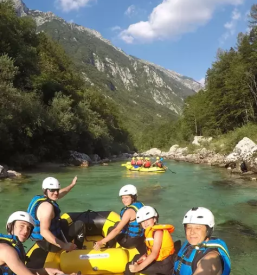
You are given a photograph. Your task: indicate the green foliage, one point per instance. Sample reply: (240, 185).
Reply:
(45, 107)
(225, 144)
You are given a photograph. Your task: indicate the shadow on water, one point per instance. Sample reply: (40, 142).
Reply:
(225, 183)
(252, 203)
(152, 194)
(233, 225)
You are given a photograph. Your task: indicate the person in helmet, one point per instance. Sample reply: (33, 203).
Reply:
(160, 246)
(133, 161)
(12, 255)
(158, 162)
(201, 254)
(139, 161)
(127, 232)
(50, 232)
(147, 163)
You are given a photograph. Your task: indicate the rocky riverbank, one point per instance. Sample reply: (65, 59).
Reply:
(242, 160)
(75, 159)
(6, 173)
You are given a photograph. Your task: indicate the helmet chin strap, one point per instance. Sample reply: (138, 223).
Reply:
(45, 193)
(209, 232)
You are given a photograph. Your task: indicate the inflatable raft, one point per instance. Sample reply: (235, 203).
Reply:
(142, 169)
(87, 261)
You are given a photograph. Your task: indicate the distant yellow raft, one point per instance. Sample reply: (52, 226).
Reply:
(142, 169)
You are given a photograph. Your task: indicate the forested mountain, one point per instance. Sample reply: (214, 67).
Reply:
(229, 100)
(69, 88)
(126, 79)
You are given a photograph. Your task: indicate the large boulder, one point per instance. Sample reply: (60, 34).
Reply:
(243, 151)
(152, 152)
(200, 139)
(252, 165)
(182, 151)
(3, 172)
(95, 158)
(173, 148)
(13, 174)
(79, 159)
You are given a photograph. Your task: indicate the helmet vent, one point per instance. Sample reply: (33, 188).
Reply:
(194, 208)
(200, 217)
(22, 215)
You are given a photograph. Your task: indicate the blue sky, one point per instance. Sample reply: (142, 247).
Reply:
(180, 35)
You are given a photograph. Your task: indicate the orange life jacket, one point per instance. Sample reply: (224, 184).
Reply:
(159, 164)
(167, 247)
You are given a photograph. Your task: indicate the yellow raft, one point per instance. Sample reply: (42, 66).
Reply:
(87, 261)
(143, 169)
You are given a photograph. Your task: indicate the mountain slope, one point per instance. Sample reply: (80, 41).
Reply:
(143, 90)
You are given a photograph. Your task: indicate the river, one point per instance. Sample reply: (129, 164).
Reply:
(232, 201)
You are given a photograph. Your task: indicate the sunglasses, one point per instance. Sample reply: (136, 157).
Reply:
(53, 190)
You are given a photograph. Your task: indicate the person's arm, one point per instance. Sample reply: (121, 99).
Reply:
(45, 271)
(45, 214)
(10, 257)
(150, 258)
(48, 271)
(128, 215)
(64, 191)
(210, 264)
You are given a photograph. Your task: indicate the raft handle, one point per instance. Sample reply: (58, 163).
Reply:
(95, 268)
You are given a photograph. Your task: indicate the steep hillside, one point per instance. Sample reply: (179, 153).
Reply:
(146, 93)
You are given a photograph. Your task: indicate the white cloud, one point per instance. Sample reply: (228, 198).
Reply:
(116, 28)
(130, 10)
(68, 5)
(231, 26)
(173, 18)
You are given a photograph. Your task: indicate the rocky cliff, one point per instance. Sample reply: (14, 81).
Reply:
(129, 81)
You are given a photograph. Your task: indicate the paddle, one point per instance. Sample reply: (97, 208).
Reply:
(166, 167)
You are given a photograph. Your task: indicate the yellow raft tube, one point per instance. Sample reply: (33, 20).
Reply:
(88, 261)
(142, 169)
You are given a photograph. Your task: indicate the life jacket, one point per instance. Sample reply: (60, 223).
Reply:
(133, 162)
(187, 260)
(147, 164)
(167, 247)
(55, 222)
(18, 246)
(139, 162)
(132, 229)
(159, 164)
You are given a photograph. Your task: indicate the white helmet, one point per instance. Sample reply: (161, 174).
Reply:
(128, 190)
(145, 213)
(199, 215)
(51, 183)
(20, 216)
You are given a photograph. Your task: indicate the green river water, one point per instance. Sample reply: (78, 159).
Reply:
(171, 194)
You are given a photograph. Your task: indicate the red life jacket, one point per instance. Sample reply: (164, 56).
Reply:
(139, 162)
(133, 162)
(147, 164)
